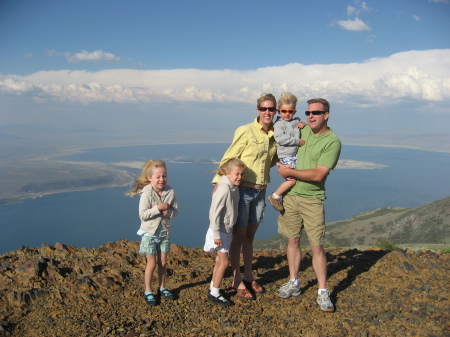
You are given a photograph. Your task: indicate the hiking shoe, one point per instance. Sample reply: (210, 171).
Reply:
(276, 203)
(288, 289)
(323, 299)
(222, 301)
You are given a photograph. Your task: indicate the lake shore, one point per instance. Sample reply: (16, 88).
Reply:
(28, 176)
(35, 178)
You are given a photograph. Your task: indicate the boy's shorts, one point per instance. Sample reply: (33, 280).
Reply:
(289, 161)
(152, 245)
(210, 246)
(303, 213)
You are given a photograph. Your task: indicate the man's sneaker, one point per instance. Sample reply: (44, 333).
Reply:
(323, 299)
(222, 301)
(276, 203)
(288, 289)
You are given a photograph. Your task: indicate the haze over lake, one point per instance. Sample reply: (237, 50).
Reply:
(367, 178)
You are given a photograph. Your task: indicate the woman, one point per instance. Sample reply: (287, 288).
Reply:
(255, 145)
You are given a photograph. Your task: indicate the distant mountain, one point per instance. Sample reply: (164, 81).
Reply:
(427, 224)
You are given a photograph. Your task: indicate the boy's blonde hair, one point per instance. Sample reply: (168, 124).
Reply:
(226, 167)
(287, 98)
(147, 171)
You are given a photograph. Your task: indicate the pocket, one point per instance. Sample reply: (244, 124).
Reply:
(257, 146)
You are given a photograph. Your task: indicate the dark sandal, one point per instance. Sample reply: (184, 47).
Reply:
(243, 293)
(166, 294)
(150, 299)
(254, 286)
(222, 301)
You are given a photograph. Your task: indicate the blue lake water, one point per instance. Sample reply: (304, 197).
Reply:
(91, 218)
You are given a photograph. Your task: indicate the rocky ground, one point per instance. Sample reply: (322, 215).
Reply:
(66, 291)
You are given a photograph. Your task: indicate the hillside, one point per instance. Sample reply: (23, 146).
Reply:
(62, 290)
(427, 225)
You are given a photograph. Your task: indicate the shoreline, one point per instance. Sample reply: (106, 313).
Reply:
(94, 175)
(120, 176)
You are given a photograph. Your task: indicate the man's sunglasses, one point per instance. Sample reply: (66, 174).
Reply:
(315, 112)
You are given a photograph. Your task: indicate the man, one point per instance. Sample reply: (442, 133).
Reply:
(304, 204)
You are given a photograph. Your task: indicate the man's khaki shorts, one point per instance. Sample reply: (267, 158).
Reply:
(303, 213)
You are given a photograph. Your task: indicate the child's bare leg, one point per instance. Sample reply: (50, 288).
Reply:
(221, 266)
(284, 187)
(162, 269)
(149, 269)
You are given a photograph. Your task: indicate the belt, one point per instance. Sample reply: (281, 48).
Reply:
(255, 186)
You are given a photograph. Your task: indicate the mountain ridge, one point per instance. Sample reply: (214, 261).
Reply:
(427, 224)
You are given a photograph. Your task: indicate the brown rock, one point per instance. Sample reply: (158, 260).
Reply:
(63, 290)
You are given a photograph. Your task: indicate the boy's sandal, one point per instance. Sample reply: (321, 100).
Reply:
(166, 294)
(150, 299)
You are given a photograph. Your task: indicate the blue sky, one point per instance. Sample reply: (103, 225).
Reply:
(88, 73)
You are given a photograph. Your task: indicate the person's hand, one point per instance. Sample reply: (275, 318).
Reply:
(301, 143)
(218, 242)
(163, 207)
(284, 170)
(301, 125)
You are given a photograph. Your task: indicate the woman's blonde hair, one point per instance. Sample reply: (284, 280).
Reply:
(147, 171)
(226, 167)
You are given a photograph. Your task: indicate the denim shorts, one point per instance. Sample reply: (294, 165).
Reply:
(152, 245)
(252, 204)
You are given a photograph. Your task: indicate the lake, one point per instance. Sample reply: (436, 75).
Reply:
(90, 218)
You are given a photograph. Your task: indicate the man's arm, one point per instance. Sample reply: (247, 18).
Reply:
(318, 174)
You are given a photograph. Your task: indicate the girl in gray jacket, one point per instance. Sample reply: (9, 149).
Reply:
(222, 217)
(158, 204)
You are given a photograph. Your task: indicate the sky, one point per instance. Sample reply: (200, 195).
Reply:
(94, 73)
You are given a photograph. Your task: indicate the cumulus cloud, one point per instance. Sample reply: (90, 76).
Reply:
(416, 17)
(95, 56)
(356, 25)
(417, 75)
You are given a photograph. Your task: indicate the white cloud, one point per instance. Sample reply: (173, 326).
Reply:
(440, 1)
(356, 25)
(355, 11)
(85, 56)
(416, 75)
(52, 52)
(352, 11)
(416, 17)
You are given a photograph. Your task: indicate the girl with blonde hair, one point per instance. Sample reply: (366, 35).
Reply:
(157, 205)
(222, 217)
